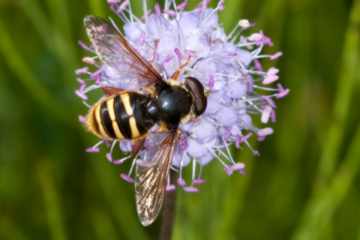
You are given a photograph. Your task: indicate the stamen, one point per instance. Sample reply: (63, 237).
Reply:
(95, 148)
(193, 170)
(191, 189)
(157, 9)
(109, 154)
(257, 51)
(265, 88)
(145, 9)
(175, 9)
(219, 7)
(127, 178)
(166, 5)
(132, 165)
(82, 119)
(265, 116)
(255, 152)
(91, 88)
(82, 71)
(86, 104)
(233, 31)
(86, 47)
(114, 25)
(245, 44)
(90, 60)
(81, 94)
(170, 187)
(217, 157)
(198, 180)
(182, 5)
(251, 103)
(130, 11)
(228, 151)
(121, 160)
(180, 181)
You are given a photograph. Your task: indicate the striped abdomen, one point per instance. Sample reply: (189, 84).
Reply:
(120, 116)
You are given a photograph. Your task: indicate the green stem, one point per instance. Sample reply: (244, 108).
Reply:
(326, 198)
(322, 207)
(346, 84)
(52, 202)
(97, 7)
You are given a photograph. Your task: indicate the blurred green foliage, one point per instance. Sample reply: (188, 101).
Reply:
(305, 184)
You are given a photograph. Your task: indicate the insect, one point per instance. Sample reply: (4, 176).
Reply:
(129, 114)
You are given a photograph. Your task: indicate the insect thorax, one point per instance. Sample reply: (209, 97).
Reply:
(174, 103)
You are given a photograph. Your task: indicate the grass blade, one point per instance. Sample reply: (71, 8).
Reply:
(24, 74)
(346, 84)
(323, 206)
(51, 201)
(97, 7)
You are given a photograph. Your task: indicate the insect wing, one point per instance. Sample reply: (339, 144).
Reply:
(118, 55)
(151, 181)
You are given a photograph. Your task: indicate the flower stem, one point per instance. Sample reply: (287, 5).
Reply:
(168, 217)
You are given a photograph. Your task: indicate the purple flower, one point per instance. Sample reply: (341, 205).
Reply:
(229, 65)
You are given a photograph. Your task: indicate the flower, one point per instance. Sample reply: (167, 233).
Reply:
(228, 65)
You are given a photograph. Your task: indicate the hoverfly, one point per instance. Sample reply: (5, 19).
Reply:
(128, 114)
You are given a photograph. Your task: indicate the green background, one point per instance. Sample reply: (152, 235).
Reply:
(305, 184)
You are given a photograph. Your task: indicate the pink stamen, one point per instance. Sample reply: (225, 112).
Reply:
(170, 188)
(228, 170)
(81, 94)
(82, 119)
(238, 167)
(191, 189)
(258, 65)
(89, 60)
(126, 178)
(109, 157)
(182, 5)
(178, 54)
(85, 47)
(276, 56)
(157, 9)
(93, 149)
(181, 182)
(199, 181)
(211, 82)
(282, 92)
(273, 116)
(265, 132)
(82, 71)
(265, 116)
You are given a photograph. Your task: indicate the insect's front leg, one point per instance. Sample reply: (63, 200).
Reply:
(180, 70)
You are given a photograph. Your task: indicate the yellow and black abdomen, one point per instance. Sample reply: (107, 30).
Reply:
(120, 116)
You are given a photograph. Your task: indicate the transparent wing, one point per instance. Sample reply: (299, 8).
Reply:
(118, 55)
(151, 180)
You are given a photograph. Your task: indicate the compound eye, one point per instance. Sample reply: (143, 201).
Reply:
(196, 90)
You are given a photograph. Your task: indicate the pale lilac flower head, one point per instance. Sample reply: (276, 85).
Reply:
(229, 65)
